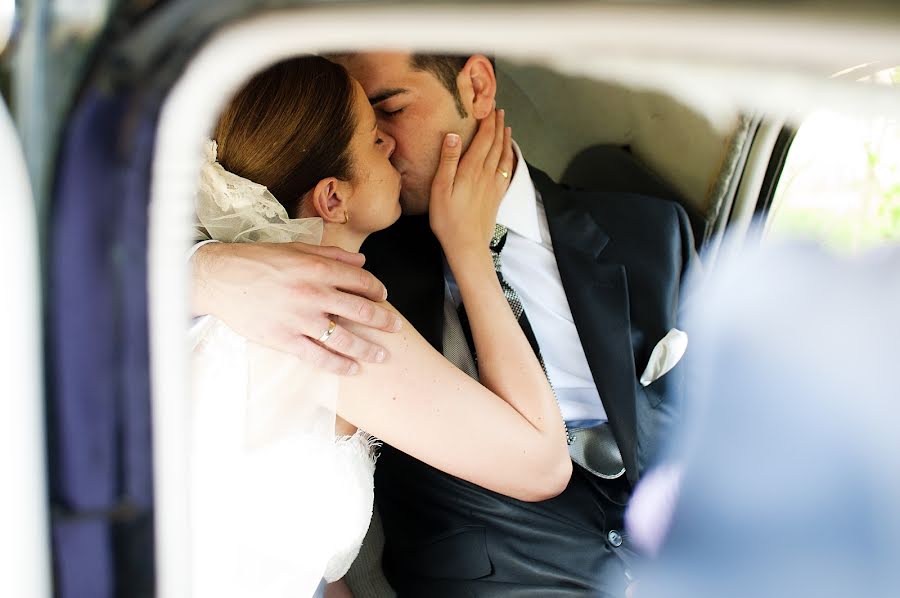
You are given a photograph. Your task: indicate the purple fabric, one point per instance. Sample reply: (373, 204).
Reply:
(87, 574)
(135, 380)
(99, 399)
(84, 311)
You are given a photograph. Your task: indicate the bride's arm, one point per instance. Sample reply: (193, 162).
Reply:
(510, 439)
(463, 213)
(507, 435)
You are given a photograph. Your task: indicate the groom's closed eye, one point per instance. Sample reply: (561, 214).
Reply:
(389, 113)
(386, 94)
(382, 101)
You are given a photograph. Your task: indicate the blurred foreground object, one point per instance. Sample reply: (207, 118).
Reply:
(7, 21)
(791, 479)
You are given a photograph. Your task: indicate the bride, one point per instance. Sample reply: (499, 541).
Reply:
(282, 459)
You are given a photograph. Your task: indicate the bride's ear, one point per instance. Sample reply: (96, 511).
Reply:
(329, 200)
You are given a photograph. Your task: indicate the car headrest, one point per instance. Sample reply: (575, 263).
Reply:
(615, 168)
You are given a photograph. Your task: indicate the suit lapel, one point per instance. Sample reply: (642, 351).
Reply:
(407, 258)
(597, 292)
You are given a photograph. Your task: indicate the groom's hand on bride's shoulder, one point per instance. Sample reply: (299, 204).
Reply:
(284, 295)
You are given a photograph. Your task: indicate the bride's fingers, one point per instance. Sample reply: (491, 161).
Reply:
(442, 184)
(492, 161)
(506, 159)
(481, 144)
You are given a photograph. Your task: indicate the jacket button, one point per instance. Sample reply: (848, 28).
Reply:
(615, 538)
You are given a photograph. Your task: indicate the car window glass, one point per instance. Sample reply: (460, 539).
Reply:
(841, 181)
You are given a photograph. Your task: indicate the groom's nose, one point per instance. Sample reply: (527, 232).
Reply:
(387, 143)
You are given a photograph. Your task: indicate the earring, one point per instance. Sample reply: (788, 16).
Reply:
(346, 217)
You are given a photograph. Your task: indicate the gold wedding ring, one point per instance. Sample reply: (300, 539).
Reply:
(327, 334)
(503, 173)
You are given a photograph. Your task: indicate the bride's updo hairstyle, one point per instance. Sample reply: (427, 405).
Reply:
(290, 127)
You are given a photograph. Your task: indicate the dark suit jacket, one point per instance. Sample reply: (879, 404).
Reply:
(622, 259)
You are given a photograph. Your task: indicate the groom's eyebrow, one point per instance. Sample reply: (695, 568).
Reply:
(386, 94)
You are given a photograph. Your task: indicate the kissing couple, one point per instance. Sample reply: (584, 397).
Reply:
(499, 377)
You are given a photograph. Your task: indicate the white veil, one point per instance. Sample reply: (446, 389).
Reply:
(233, 209)
(263, 425)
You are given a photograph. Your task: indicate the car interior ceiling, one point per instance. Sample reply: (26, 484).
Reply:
(607, 136)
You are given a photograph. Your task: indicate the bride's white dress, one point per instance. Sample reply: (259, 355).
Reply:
(276, 506)
(278, 502)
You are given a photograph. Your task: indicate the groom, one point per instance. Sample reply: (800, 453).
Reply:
(598, 276)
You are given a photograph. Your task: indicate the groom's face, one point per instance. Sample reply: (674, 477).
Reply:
(414, 108)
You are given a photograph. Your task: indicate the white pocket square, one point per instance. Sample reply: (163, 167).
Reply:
(666, 354)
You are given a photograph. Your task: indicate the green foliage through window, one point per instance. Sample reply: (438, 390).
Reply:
(841, 182)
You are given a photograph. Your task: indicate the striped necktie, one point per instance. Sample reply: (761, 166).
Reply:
(594, 448)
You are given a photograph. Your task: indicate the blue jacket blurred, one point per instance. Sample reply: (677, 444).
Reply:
(791, 453)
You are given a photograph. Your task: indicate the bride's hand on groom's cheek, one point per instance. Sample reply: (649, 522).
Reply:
(467, 190)
(284, 295)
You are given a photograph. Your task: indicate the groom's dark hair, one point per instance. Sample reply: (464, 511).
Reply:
(445, 68)
(289, 127)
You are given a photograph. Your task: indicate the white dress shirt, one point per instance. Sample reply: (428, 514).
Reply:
(529, 266)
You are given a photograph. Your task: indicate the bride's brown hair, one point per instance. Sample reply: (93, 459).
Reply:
(289, 127)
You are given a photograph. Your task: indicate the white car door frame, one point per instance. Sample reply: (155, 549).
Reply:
(24, 543)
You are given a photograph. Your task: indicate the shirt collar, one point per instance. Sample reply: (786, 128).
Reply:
(518, 210)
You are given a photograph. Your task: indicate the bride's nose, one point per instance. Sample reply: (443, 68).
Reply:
(387, 143)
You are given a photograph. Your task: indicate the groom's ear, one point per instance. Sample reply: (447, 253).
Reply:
(328, 199)
(477, 83)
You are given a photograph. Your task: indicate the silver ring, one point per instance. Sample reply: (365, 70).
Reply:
(328, 332)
